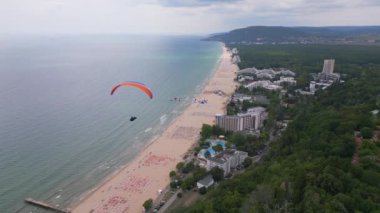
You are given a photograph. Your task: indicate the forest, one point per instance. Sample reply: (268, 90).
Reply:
(350, 60)
(368, 35)
(310, 168)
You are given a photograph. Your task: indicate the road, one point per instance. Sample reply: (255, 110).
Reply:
(169, 202)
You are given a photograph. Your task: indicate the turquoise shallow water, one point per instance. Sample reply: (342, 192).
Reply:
(60, 130)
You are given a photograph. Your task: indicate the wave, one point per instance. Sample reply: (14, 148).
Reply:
(148, 130)
(163, 119)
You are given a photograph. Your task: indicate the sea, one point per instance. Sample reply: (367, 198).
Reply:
(62, 133)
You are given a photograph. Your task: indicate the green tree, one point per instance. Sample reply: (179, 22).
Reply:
(180, 165)
(188, 168)
(172, 174)
(206, 131)
(371, 177)
(173, 185)
(366, 132)
(198, 173)
(218, 148)
(246, 105)
(148, 204)
(202, 190)
(216, 130)
(231, 201)
(217, 173)
(179, 195)
(197, 149)
(188, 183)
(247, 162)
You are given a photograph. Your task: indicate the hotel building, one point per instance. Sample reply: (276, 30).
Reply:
(252, 119)
(235, 123)
(227, 160)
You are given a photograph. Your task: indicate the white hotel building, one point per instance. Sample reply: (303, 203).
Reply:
(252, 119)
(227, 160)
(235, 123)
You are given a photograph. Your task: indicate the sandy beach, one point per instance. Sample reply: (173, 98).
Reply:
(141, 179)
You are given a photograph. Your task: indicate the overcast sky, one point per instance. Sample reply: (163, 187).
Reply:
(178, 16)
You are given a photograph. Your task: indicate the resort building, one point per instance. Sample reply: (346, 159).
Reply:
(266, 73)
(327, 74)
(203, 154)
(227, 160)
(264, 76)
(286, 80)
(252, 119)
(236, 59)
(285, 72)
(235, 123)
(323, 79)
(312, 86)
(260, 115)
(245, 78)
(235, 51)
(260, 99)
(328, 66)
(205, 182)
(263, 84)
(237, 97)
(303, 92)
(215, 142)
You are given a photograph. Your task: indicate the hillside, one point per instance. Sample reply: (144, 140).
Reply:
(260, 33)
(277, 34)
(351, 60)
(310, 168)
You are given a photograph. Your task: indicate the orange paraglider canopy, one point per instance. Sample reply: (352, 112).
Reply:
(134, 84)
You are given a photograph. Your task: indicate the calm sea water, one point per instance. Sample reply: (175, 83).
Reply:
(60, 130)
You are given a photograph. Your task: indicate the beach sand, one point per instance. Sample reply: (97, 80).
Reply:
(126, 190)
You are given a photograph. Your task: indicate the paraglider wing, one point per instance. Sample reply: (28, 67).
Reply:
(134, 84)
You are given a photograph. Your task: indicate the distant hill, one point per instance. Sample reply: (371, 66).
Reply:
(278, 34)
(340, 31)
(259, 33)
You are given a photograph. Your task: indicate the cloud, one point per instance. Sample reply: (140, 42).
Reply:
(178, 16)
(194, 3)
(370, 3)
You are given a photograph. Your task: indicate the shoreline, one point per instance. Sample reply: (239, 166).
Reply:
(197, 93)
(140, 179)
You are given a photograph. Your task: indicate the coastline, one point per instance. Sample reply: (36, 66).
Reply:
(127, 188)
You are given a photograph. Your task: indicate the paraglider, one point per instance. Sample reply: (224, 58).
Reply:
(138, 85)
